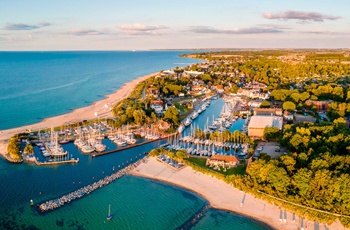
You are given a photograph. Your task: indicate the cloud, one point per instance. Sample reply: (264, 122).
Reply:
(300, 15)
(324, 32)
(251, 30)
(141, 29)
(281, 27)
(20, 26)
(86, 32)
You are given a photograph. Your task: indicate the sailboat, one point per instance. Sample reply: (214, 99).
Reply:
(110, 216)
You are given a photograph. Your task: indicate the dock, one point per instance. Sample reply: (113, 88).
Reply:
(131, 146)
(56, 162)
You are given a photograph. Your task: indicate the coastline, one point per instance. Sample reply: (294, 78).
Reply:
(78, 114)
(222, 196)
(86, 112)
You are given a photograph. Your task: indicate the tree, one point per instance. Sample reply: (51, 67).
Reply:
(271, 133)
(181, 154)
(264, 156)
(13, 149)
(172, 115)
(139, 116)
(289, 106)
(265, 104)
(28, 149)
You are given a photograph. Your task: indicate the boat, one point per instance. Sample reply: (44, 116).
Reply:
(64, 141)
(181, 128)
(188, 122)
(110, 216)
(194, 115)
(31, 203)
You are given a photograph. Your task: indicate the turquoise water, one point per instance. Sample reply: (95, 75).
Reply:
(36, 85)
(216, 219)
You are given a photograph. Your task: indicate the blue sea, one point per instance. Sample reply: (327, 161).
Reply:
(35, 85)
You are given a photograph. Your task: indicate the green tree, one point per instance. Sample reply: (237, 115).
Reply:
(264, 156)
(172, 115)
(28, 149)
(271, 133)
(265, 104)
(13, 149)
(139, 116)
(181, 154)
(289, 106)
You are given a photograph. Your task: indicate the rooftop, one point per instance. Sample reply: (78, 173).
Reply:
(263, 121)
(225, 158)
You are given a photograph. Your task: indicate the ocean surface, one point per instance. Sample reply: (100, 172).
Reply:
(37, 85)
(136, 203)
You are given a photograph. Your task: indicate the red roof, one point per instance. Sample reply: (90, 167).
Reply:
(225, 158)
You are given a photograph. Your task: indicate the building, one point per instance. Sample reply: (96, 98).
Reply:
(320, 105)
(222, 160)
(153, 92)
(254, 104)
(258, 123)
(268, 111)
(163, 125)
(288, 116)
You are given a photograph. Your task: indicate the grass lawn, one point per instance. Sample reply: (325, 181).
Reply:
(240, 169)
(185, 114)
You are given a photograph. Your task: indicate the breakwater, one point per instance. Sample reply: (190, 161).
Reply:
(61, 201)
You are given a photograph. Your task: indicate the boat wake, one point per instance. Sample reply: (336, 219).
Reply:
(43, 90)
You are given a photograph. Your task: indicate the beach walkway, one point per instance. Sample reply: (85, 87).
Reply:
(224, 196)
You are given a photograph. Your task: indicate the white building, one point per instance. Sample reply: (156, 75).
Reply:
(257, 125)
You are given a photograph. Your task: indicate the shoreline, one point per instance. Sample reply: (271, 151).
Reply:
(223, 196)
(78, 114)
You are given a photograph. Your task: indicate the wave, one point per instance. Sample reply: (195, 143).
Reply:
(43, 90)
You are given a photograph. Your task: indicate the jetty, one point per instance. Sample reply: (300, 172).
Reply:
(61, 201)
(131, 146)
(56, 162)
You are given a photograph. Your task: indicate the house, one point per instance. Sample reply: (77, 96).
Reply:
(222, 160)
(320, 105)
(193, 73)
(219, 89)
(153, 92)
(254, 104)
(268, 111)
(162, 125)
(157, 105)
(288, 116)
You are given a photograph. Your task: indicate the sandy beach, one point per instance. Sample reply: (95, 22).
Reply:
(102, 108)
(223, 196)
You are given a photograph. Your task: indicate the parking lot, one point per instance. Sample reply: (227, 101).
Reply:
(271, 148)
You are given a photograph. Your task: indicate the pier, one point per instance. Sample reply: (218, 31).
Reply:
(61, 201)
(56, 162)
(130, 146)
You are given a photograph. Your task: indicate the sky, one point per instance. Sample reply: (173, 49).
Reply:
(177, 24)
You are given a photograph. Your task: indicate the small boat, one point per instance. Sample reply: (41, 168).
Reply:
(64, 141)
(31, 203)
(110, 216)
